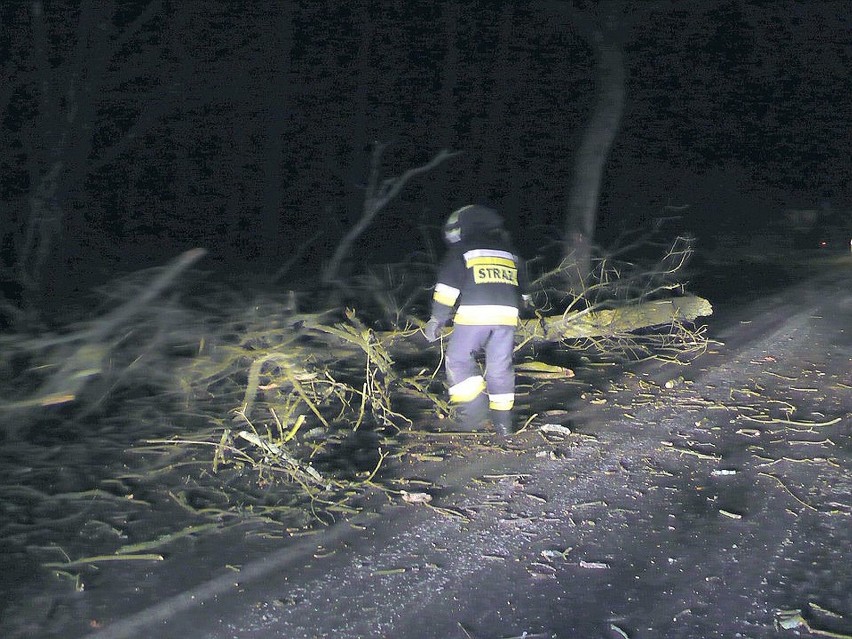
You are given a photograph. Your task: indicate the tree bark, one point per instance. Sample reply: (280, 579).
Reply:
(611, 322)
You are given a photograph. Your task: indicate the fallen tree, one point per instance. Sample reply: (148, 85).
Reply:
(72, 362)
(579, 325)
(614, 321)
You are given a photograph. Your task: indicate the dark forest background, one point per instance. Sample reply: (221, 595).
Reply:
(132, 131)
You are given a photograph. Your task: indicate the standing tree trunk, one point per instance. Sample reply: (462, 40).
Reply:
(582, 202)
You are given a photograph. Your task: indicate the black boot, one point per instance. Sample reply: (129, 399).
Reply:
(472, 414)
(502, 421)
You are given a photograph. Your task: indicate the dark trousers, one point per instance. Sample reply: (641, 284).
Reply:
(468, 388)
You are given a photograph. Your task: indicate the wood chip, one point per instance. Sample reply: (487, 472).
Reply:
(415, 498)
(555, 428)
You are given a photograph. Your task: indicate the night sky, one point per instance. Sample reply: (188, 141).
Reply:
(246, 127)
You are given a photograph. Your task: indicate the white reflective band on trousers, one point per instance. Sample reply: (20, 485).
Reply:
(467, 390)
(502, 401)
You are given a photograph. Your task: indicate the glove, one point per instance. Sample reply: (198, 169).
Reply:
(432, 330)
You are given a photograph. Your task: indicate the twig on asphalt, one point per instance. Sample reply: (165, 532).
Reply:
(790, 492)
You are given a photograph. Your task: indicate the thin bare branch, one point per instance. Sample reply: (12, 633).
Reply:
(376, 198)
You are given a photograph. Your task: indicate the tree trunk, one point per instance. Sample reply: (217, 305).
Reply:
(582, 203)
(579, 324)
(611, 322)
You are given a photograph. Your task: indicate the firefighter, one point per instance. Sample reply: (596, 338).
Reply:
(481, 286)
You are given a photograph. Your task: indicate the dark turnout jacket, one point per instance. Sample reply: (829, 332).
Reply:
(485, 277)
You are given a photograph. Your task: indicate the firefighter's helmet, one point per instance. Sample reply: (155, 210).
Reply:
(471, 221)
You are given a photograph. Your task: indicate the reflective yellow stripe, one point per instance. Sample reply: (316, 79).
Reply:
(468, 390)
(504, 401)
(446, 295)
(486, 315)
